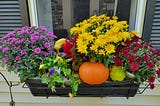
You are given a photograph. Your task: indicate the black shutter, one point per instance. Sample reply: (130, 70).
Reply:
(11, 15)
(155, 33)
(151, 32)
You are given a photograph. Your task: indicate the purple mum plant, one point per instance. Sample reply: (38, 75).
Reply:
(25, 48)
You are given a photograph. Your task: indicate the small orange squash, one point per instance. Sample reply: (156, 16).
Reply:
(93, 73)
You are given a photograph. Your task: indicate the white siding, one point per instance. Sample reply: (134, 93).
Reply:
(23, 97)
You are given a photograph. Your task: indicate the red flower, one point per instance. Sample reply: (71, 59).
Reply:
(137, 45)
(67, 48)
(74, 39)
(117, 61)
(132, 58)
(145, 58)
(127, 43)
(151, 79)
(151, 86)
(135, 50)
(150, 65)
(136, 38)
(134, 66)
(158, 73)
(125, 52)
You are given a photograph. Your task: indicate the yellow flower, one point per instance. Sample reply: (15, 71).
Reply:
(98, 30)
(125, 35)
(94, 47)
(134, 32)
(110, 48)
(100, 40)
(111, 22)
(58, 58)
(114, 17)
(59, 43)
(101, 51)
(41, 66)
(82, 45)
(75, 30)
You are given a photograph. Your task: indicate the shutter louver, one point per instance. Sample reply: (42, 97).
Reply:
(10, 17)
(155, 33)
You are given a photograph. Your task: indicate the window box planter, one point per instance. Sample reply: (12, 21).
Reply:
(127, 88)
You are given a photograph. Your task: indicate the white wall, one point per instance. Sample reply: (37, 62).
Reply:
(23, 97)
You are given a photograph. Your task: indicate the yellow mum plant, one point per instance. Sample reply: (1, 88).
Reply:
(98, 37)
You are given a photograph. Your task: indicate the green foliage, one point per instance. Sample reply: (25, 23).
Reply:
(59, 73)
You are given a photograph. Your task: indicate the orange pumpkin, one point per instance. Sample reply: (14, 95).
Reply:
(93, 73)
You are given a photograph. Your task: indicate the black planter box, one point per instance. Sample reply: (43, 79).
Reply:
(127, 88)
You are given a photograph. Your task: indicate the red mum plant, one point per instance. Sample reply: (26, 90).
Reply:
(139, 59)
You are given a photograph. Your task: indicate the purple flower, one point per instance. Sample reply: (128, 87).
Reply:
(33, 53)
(4, 37)
(47, 45)
(6, 59)
(51, 72)
(33, 27)
(12, 39)
(33, 37)
(23, 52)
(41, 47)
(1, 47)
(43, 28)
(32, 41)
(50, 50)
(59, 71)
(23, 32)
(36, 33)
(23, 40)
(18, 48)
(10, 34)
(17, 42)
(16, 64)
(37, 50)
(41, 37)
(66, 80)
(18, 58)
(50, 34)
(46, 53)
(12, 45)
(5, 50)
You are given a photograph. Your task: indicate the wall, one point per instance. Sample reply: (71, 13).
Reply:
(23, 97)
